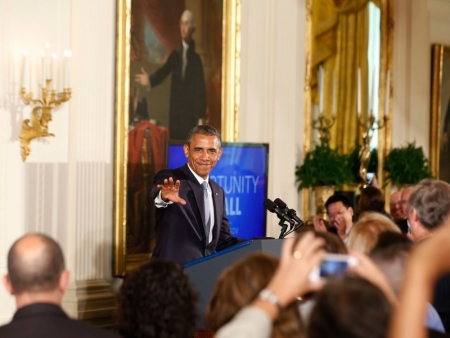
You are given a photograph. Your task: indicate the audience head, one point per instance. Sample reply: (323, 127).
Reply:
(333, 244)
(396, 206)
(390, 255)
(429, 206)
(239, 285)
(36, 269)
(340, 212)
(371, 199)
(157, 300)
(406, 193)
(365, 232)
(349, 307)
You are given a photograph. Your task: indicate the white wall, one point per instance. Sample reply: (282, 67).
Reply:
(273, 65)
(65, 186)
(417, 25)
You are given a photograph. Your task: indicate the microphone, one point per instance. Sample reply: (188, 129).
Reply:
(290, 212)
(272, 207)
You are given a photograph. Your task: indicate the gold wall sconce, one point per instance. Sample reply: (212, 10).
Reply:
(50, 97)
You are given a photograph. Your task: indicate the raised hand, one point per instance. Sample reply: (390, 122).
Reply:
(319, 224)
(142, 78)
(169, 191)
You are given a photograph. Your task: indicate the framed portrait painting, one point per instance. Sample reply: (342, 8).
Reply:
(177, 65)
(440, 113)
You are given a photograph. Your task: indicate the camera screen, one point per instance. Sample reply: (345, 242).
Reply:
(332, 268)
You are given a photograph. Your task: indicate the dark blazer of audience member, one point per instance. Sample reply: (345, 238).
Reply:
(350, 307)
(37, 279)
(239, 285)
(157, 300)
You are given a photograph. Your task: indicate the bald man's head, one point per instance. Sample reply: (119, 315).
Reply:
(35, 263)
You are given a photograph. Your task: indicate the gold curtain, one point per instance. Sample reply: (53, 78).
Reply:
(340, 41)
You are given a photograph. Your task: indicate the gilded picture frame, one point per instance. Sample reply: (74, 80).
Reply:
(123, 261)
(440, 112)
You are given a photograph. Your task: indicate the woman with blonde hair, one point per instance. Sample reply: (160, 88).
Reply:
(364, 234)
(239, 285)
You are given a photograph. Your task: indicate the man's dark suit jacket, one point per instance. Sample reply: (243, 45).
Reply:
(49, 320)
(180, 231)
(403, 225)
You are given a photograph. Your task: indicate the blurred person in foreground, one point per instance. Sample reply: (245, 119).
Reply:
(429, 207)
(239, 285)
(391, 254)
(291, 279)
(365, 231)
(157, 300)
(428, 262)
(37, 279)
(350, 307)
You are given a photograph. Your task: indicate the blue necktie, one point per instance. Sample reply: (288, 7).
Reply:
(207, 211)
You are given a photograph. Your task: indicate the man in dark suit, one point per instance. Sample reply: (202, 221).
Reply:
(184, 231)
(187, 87)
(37, 278)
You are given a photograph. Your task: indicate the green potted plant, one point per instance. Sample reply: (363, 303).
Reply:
(323, 169)
(323, 166)
(407, 165)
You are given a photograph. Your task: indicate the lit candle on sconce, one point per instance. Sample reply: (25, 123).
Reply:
(388, 87)
(321, 85)
(25, 69)
(53, 74)
(372, 95)
(48, 61)
(67, 56)
(334, 94)
(358, 104)
(43, 68)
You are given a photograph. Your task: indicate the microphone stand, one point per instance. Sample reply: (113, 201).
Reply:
(284, 228)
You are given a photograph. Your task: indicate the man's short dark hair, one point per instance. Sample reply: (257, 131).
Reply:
(204, 129)
(349, 307)
(431, 200)
(390, 254)
(38, 273)
(338, 198)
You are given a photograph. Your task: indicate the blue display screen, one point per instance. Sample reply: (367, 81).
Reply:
(242, 173)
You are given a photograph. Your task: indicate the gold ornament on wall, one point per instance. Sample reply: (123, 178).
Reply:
(50, 98)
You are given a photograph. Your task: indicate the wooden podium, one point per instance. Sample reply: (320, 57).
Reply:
(204, 272)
